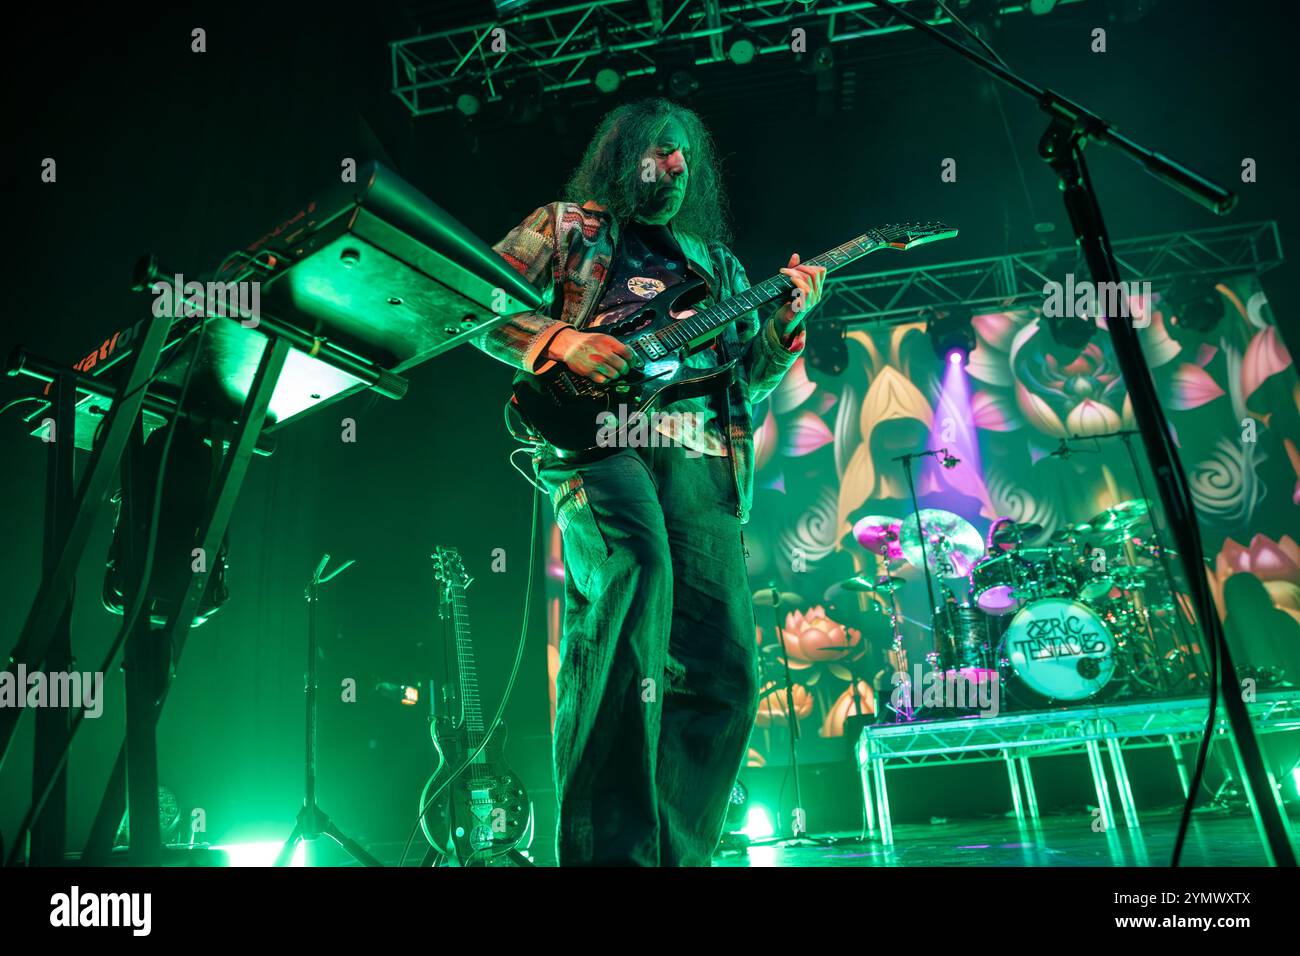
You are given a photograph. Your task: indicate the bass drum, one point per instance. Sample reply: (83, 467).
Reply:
(1054, 650)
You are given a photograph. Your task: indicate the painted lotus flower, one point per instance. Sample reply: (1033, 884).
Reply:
(813, 637)
(1275, 563)
(774, 707)
(845, 707)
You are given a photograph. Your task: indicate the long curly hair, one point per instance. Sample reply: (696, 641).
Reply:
(610, 170)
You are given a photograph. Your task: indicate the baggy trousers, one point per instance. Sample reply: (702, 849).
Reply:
(658, 681)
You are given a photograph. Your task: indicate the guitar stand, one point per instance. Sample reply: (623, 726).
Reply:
(312, 823)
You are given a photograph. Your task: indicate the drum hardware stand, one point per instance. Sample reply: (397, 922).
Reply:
(312, 823)
(1070, 128)
(1126, 436)
(920, 528)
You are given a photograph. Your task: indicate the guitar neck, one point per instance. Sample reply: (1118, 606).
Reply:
(703, 325)
(467, 672)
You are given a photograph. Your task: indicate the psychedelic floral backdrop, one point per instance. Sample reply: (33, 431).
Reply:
(825, 444)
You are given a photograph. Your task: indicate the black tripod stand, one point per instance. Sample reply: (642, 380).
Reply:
(312, 822)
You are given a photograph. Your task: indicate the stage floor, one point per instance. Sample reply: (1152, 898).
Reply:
(1215, 839)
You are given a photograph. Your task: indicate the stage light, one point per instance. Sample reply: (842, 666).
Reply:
(682, 84)
(1041, 7)
(468, 104)
(261, 853)
(758, 825)
(951, 334)
(734, 821)
(1295, 780)
(1194, 305)
(742, 51)
(608, 80)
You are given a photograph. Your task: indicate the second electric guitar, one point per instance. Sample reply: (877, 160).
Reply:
(567, 410)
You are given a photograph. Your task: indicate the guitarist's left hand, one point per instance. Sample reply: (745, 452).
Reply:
(807, 293)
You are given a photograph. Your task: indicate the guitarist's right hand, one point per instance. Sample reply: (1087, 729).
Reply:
(601, 358)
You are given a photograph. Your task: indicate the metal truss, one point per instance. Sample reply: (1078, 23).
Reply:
(1017, 280)
(1040, 733)
(553, 50)
(1085, 730)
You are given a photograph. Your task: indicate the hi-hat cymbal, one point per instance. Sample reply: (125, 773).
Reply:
(952, 544)
(884, 583)
(763, 598)
(1122, 517)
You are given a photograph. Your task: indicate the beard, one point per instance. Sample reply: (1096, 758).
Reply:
(659, 203)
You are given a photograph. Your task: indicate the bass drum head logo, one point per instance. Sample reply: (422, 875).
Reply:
(1060, 648)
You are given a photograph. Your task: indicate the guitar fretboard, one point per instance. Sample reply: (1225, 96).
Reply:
(703, 324)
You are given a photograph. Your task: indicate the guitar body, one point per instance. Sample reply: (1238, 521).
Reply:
(572, 413)
(568, 410)
(485, 813)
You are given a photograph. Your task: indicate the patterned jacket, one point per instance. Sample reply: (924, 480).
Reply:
(565, 250)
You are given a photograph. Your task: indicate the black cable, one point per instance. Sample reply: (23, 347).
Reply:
(510, 684)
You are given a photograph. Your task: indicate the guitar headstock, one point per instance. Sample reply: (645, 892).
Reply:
(909, 234)
(449, 568)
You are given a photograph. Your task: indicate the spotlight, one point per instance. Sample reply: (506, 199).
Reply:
(607, 80)
(468, 104)
(951, 334)
(742, 51)
(682, 84)
(735, 819)
(1070, 332)
(1194, 305)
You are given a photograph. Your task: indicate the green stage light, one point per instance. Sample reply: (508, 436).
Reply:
(261, 854)
(758, 825)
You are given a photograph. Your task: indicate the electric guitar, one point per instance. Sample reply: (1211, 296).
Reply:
(484, 814)
(569, 411)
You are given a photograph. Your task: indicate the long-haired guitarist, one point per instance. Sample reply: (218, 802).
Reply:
(658, 681)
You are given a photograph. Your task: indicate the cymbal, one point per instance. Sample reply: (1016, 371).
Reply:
(1070, 532)
(1122, 517)
(884, 583)
(1014, 533)
(876, 532)
(951, 542)
(763, 598)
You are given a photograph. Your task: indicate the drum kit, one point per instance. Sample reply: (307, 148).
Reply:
(1085, 614)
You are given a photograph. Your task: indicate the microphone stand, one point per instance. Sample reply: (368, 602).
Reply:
(920, 531)
(1069, 129)
(312, 823)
